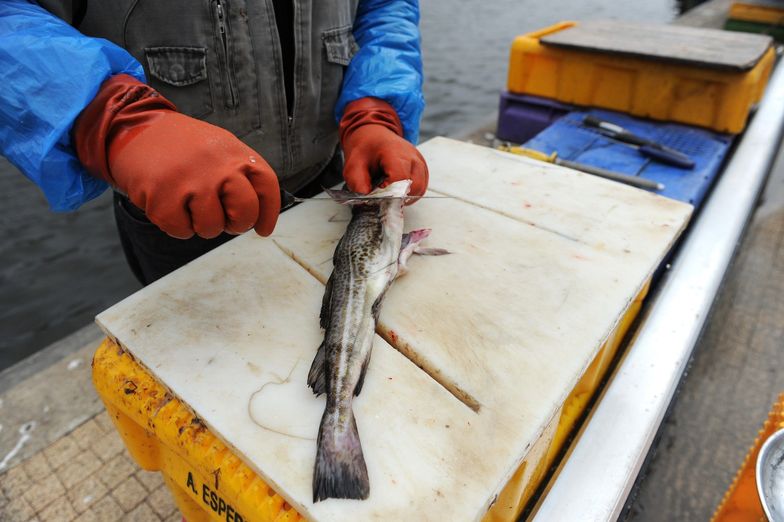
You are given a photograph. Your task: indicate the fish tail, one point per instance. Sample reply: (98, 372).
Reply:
(340, 465)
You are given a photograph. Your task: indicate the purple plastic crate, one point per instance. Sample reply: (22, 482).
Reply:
(521, 117)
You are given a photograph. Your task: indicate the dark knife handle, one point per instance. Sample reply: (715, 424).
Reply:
(667, 155)
(646, 147)
(287, 199)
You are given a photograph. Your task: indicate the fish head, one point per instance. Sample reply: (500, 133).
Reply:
(397, 189)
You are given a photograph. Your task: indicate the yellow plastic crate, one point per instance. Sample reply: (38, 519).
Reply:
(210, 483)
(741, 502)
(763, 14)
(716, 99)
(528, 477)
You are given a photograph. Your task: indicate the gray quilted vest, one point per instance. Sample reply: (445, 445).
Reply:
(220, 61)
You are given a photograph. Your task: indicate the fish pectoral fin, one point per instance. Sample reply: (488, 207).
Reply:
(409, 246)
(411, 239)
(317, 376)
(340, 470)
(362, 372)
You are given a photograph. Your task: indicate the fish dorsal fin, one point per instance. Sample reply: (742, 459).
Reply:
(317, 376)
(362, 372)
(326, 302)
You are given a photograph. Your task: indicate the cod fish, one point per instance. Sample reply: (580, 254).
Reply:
(369, 256)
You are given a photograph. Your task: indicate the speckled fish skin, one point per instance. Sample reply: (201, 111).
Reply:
(365, 264)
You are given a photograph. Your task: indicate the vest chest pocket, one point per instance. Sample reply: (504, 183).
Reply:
(340, 45)
(180, 74)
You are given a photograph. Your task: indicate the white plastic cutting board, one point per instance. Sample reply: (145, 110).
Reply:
(545, 261)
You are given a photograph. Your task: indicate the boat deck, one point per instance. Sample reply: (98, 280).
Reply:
(733, 381)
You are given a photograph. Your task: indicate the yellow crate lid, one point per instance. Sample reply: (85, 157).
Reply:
(769, 12)
(676, 89)
(693, 46)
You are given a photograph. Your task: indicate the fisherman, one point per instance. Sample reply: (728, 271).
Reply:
(196, 113)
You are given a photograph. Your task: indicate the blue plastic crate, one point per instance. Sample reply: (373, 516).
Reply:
(574, 142)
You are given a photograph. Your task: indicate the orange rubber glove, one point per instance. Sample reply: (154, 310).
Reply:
(372, 138)
(189, 177)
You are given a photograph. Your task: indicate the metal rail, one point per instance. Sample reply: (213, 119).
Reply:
(597, 477)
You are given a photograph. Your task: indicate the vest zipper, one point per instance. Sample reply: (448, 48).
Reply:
(292, 116)
(223, 54)
(288, 137)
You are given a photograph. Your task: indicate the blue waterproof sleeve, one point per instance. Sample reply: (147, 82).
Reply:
(388, 64)
(49, 72)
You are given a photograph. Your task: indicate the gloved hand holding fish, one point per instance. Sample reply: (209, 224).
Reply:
(370, 255)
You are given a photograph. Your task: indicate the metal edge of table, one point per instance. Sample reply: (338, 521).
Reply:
(600, 471)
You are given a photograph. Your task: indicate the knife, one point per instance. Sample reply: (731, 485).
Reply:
(645, 146)
(635, 181)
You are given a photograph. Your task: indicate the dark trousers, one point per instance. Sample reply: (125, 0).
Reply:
(151, 253)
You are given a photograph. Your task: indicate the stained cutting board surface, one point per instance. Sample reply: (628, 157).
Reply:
(233, 336)
(538, 277)
(602, 214)
(545, 262)
(507, 320)
(693, 46)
